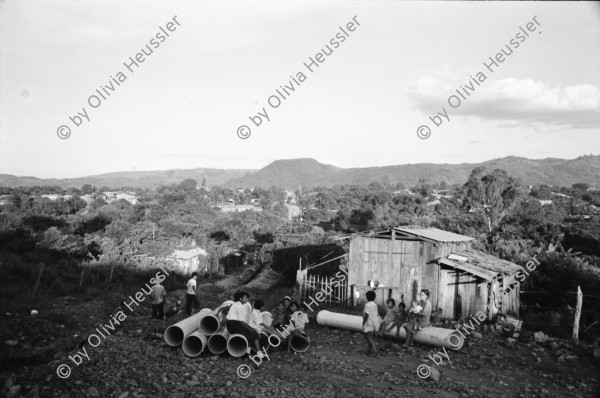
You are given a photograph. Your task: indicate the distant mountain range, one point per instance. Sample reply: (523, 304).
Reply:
(293, 173)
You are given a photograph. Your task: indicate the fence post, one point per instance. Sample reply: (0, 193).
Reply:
(39, 277)
(575, 335)
(80, 281)
(111, 273)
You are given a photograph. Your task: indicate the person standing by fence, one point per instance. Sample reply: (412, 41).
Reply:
(190, 297)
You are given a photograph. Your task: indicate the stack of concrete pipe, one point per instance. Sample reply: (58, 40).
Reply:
(204, 330)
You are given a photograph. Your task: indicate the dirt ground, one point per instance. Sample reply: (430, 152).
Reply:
(134, 361)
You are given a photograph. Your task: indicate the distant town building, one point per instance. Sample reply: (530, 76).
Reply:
(562, 195)
(188, 261)
(112, 196)
(54, 196)
(403, 192)
(235, 208)
(6, 200)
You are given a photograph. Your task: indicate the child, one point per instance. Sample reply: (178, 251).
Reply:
(391, 314)
(174, 310)
(287, 302)
(222, 314)
(299, 319)
(279, 316)
(415, 313)
(370, 321)
(400, 319)
(256, 318)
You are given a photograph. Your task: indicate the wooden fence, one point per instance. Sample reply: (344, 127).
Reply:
(309, 285)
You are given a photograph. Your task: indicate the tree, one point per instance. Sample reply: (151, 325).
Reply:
(87, 189)
(188, 185)
(581, 186)
(423, 187)
(494, 195)
(375, 186)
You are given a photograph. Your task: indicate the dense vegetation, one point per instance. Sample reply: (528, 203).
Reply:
(509, 220)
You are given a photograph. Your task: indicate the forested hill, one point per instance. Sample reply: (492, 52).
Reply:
(309, 173)
(133, 179)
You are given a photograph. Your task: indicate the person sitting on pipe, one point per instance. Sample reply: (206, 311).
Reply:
(280, 317)
(222, 314)
(238, 318)
(256, 319)
(299, 319)
(424, 319)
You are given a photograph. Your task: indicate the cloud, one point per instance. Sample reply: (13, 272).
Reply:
(518, 101)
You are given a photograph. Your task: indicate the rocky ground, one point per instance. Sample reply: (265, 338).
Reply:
(134, 361)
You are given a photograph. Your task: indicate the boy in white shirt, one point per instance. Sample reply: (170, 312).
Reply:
(257, 321)
(299, 319)
(190, 296)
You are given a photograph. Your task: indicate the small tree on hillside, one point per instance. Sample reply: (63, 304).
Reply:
(494, 195)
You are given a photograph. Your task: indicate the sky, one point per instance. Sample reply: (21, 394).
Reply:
(362, 105)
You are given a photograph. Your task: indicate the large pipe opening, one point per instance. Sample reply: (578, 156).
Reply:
(194, 344)
(209, 325)
(237, 345)
(300, 343)
(217, 343)
(174, 335)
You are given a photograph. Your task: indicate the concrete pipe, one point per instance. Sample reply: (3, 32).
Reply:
(175, 334)
(209, 325)
(217, 343)
(300, 343)
(237, 345)
(194, 344)
(437, 337)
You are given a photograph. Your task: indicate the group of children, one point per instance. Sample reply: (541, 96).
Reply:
(248, 320)
(396, 317)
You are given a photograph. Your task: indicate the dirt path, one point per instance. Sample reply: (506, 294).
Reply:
(134, 361)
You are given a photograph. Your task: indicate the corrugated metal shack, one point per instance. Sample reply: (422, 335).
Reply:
(461, 280)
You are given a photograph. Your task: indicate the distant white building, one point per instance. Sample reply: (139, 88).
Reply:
(562, 195)
(545, 202)
(235, 208)
(404, 192)
(54, 196)
(189, 261)
(6, 200)
(112, 196)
